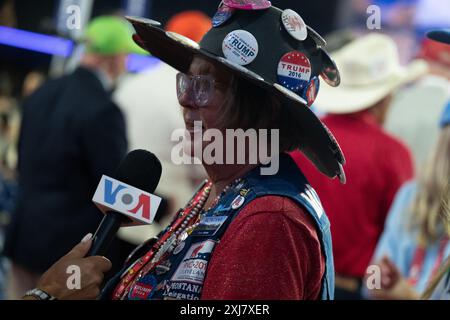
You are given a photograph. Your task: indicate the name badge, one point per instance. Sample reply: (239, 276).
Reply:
(209, 225)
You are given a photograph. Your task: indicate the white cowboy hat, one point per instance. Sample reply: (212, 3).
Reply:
(370, 70)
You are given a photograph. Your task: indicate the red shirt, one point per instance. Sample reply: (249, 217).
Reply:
(377, 164)
(271, 250)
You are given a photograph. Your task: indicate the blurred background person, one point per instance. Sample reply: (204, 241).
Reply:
(9, 120)
(416, 109)
(377, 164)
(150, 108)
(415, 241)
(32, 82)
(439, 286)
(7, 16)
(71, 134)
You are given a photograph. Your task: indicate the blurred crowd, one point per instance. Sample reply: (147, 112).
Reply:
(393, 213)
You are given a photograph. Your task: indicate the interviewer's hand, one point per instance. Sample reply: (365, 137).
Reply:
(55, 280)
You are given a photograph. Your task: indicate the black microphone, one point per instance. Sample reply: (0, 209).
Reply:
(140, 169)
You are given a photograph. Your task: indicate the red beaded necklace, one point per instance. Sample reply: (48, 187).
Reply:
(185, 222)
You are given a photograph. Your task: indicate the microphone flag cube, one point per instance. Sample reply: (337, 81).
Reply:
(114, 195)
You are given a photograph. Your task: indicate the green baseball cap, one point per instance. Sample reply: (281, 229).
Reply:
(110, 35)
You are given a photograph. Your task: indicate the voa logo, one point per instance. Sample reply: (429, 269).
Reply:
(127, 199)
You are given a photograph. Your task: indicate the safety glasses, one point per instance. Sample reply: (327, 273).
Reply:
(199, 88)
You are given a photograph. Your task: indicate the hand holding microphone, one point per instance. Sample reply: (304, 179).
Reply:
(126, 199)
(55, 281)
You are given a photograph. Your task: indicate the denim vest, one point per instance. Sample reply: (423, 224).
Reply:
(181, 276)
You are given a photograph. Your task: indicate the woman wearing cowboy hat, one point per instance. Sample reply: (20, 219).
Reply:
(244, 234)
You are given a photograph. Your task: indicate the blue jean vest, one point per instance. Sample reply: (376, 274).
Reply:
(182, 275)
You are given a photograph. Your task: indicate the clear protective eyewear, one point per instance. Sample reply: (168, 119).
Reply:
(199, 88)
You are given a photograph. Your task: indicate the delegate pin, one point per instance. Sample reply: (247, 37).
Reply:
(330, 72)
(248, 4)
(143, 289)
(162, 268)
(310, 92)
(294, 24)
(237, 202)
(240, 47)
(243, 192)
(294, 71)
(223, 14)
(316, 37)
(179, 248)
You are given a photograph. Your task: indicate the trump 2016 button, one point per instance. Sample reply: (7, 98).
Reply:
(240, 47)
(294, 71)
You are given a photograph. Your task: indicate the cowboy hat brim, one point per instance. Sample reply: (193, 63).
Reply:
(320, 145)
(348, 99)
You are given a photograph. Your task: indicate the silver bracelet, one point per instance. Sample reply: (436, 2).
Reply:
(39, 294)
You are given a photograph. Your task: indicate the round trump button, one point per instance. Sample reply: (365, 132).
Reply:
(240, 47)
(294, 71)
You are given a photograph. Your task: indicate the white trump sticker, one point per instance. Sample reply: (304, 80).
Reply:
(240, 47)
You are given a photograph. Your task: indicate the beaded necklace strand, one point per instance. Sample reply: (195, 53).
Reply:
(188, 219)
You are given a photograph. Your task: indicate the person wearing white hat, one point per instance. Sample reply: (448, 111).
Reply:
(377, 163)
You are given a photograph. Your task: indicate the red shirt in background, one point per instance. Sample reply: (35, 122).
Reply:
(377, 164)
(271, 250)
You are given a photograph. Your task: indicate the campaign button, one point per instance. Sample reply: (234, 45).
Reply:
(223, 14)
(330, 71)
(163, 268)
(179, 248)
(294, 24)
(294, 71)
(143, 289)
(248, 4)
(237, 202)
(310, 93)
(240, 47)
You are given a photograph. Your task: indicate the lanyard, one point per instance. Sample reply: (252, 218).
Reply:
(418, 260)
